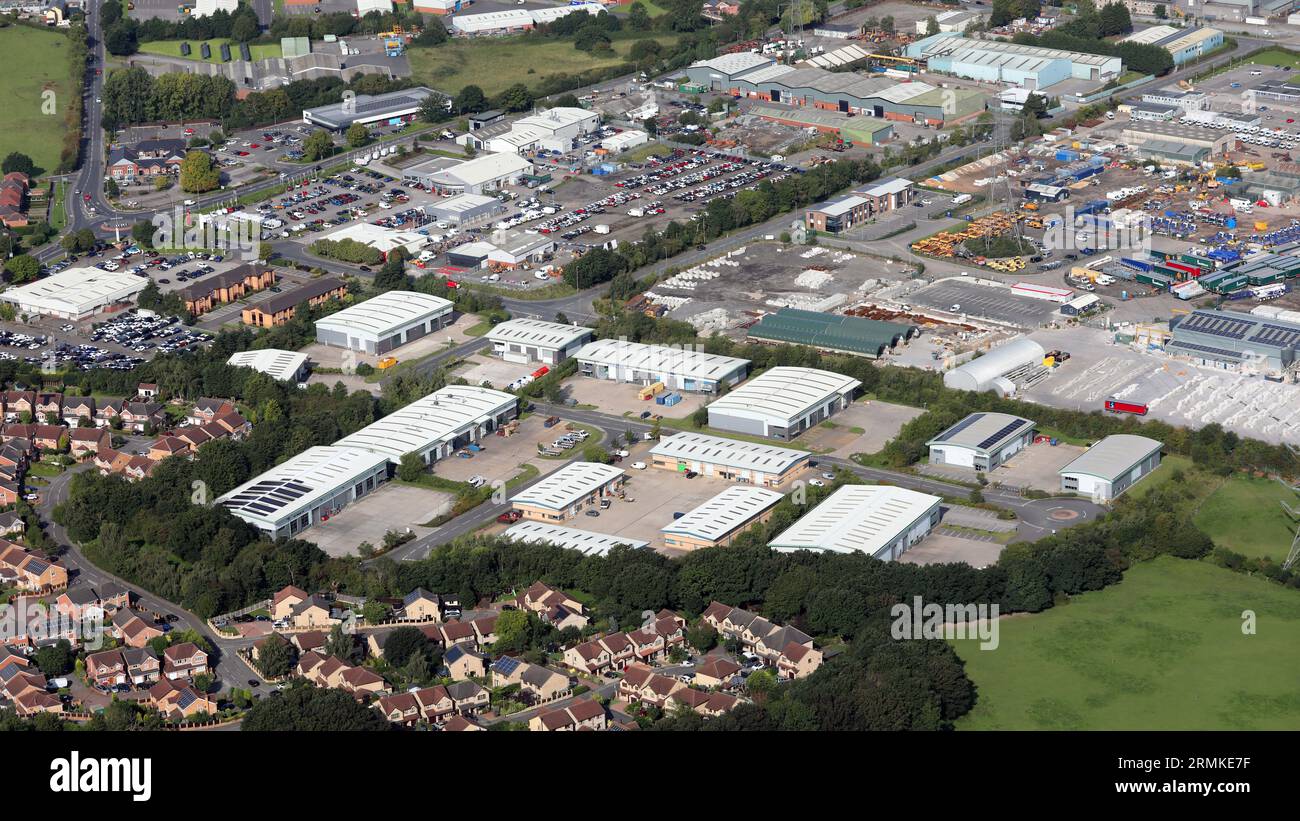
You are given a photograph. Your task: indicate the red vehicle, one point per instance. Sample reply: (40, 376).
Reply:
(86, 197)
(1117, 406)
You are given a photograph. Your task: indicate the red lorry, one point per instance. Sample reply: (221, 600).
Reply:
(1118, 406)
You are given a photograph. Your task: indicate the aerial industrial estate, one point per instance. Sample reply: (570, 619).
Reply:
(617, 366)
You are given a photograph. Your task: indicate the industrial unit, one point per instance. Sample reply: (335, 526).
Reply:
(1235, 341)
(678, 368)
(75, 293)
(624, 140)
(583, 541)
(567, 491)
(1183, 44)
(285, 366)
(833, 216)
(465, 209)
(535, 340)
(1171, 140)
(510, 21)
(554, 129)
(880, 520)
(996, 369)
(749, 462)
(1111, 466)
(306, 489)
(717, 522)
(783, 402)
(983, 441)
(384, 322)
(437, 425)
(393, 107)
(476, 176)
(832, 332)
(754, 75)
(861, 131)
(1000, 61)
(384, 240)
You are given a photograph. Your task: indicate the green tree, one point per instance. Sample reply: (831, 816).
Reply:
(931, 26)
(275, 657)
(411, 467)
(22, 268)
(17, 161)
(304, 708)
(317, 146)
(515, 98)
(470, 100)
(357, 135)
(403, 643)
(512, 628)
(638, 19)
(199, 173)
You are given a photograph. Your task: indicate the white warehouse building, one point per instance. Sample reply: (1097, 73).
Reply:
(677, 368)
(783, 402)
(310, 487)
(381, 239)
(995, 369)
(436, 426)
(286, 366)
(476, 176)
(534, 340)
(382, 323)
(983, 441)
(75, 293)
(584, 541)
(1111, 466)
(881, 520)
(554, 129)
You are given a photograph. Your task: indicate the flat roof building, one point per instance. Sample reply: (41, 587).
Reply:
(75, 293)
(750, 462)
(509, 21)
(982, 441)
(1111, 466)
(465, 209)
(486, 173)
(678, 368)
(832, 332)
(880, 520)
(381, 239)
(534, 340)
(369, 108)
(385, 322)
(565, 493)
(1183, 44)
(553, 129)
(1235, 341)
(782, 402)
(586, 542)
(1002, 61)
(718, 521)
(437, 425)
(317, 483)
(285, 366)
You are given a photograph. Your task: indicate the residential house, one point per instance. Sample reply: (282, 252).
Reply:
(457, 632)
(133, 416)
(589, 657)
(648, 647)
(29, 572)
(309, 641)
(16, 403)
(314, 611)
(540, 598)
(49, 406)
(77, 408)
(470, 697)
(587, 714)
(329, 671)
(14, 189)
(85, 601)
(640, 683)
(184, 660)
(542, 683)
(430, 704)
(206, 410)
(621, 652)
(132, 630)
(36, 701)
(45, 437)
(285, 600)
(460, 724)
(165, 446)
(464, 662)
(11, 524)
(774, 644)
(146, 391)
(721, 673)
(421, 605)
(798, 661)
(485, 630)
(707, 704)
(88, 441)
(136, 666)
(149, 158)
(180, 700)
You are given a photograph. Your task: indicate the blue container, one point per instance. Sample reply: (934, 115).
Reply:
(1230, 222)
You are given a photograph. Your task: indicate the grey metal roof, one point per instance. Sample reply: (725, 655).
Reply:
(1113, 456)
(985, 432)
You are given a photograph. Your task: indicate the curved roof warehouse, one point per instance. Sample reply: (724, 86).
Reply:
(832, 332)
(384, 322)
(783, 402)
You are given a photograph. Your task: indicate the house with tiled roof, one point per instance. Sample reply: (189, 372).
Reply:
(179, 699)
(77, 408)
(284, 600)
(540, 598)
(33, 702)
(148, 158)
(421, 605)
(428, 704)
(470, 697)
(136, 666)
(778, 646)
(132, 630)
(14, 189)
(30, 572)
(641, 683)
(718, 672)
(184, 660)
(85, 600)
(707, 704)
(87, 441)
(314, 611)
(308, 641)
(586, 714)
(460, 724)
(207, 409)
(464, 662)
(542, 683)
(589, 657)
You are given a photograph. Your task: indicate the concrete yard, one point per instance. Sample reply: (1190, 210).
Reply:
(502, 457)
(621, 397)
(864, 428)
(483, 367)
(941, 548)
(331, 356)
(391, 507)
(986, 302)
(1037, 467)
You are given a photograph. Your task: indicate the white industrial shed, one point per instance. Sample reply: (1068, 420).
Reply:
(751, 462)
(989, 372)
(624, 140)
(75, 293)
(881, 520)
(535, 340)
(553, 129)
(286, 366)
(983, 441)
(511, 20)
(676, 367)
(719, 520)
(591, 544)
(382, 323)
(206, 8)
(436, 426)
(1111, 466)
(783, 402)
(380, 238)
(465, 208)
(566, 491)
(315, 484)
(475, 176)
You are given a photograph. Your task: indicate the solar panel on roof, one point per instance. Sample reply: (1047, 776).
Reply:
(392, 102)
(1004, 431)
(961, 426)
(506, 665)
(187, 698)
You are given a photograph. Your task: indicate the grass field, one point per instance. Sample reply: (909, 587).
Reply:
(1277, 57)
(32, 61)
(1244, 515)
(458, 63)
(172, 48)
(1162, 650)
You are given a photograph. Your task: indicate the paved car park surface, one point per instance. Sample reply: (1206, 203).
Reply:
(985, 302)
(392, 507)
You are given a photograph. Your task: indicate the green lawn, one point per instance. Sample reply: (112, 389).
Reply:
(172, 48)
(32, 61)
(1162, 650)
(478, 61)
(58, 213)
(1245, 515)
(1277, 57)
